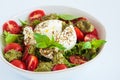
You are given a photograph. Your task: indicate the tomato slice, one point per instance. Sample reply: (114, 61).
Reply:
(76, 59)
(37, 14)
(18, 63)
(59, 67)
(32, 62)
(12, 27)
(89, 37)
(79, 34)
(26, 54)
(14, 46)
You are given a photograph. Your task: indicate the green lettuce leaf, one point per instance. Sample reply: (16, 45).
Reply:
(9, 38)
(86, 45)
(97, 43)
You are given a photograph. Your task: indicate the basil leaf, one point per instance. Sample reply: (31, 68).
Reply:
(43, 41)
(61, 47)
(67, 17)
(41, 38)
(41, 45)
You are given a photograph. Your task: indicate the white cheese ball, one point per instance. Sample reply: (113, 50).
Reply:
(28, 36)
(49, 28)
(68, 37)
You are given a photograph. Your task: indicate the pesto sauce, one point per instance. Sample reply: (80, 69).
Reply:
(12, 54)
(44, 66)
(85, 26)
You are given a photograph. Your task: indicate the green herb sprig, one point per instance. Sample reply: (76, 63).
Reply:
(43, 41)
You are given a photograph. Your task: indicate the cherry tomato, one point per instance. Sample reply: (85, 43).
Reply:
(89, 37)
(59, 67)
(18, 63)
(82, 18)
(12, 27)
(32, 62)
(94, 32)
(78, 19)
(80, 35)
(26, 54)
(14, 46)
(76, 59)
(37, 14)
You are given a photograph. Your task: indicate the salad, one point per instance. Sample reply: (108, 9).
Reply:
(50, 42)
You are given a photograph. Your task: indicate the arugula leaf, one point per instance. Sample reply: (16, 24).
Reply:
(97, 43)
(23, 23)
(43, 41)
(67, 16)
(87, 49)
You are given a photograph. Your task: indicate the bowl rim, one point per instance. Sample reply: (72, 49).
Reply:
(58, 71)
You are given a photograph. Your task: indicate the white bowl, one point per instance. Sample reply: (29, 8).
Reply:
(62, 74)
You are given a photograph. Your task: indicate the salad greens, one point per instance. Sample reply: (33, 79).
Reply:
(67, 16)
(23, 23)
(9, 38)
(85, 49)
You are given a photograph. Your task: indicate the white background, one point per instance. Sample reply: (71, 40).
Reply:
(107, 66)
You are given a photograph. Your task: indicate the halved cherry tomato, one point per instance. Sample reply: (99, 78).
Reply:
(26, 54)
(12, 27)
(89, 37)
(32, 62)
(76, 59)
(94, 32)
(59, 67)
(80, 35)
(37, 14)
(18, 63)
(14, 46)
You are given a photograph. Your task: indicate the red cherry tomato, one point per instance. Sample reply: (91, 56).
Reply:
(59, 67)
(18, 64)
(76, 59)
(14, 46)
(26, 54)
(12, 27)
(82, 18)
(32, 62)
(37, 14)
(94, 32)
(89, 37)
(80, 35)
